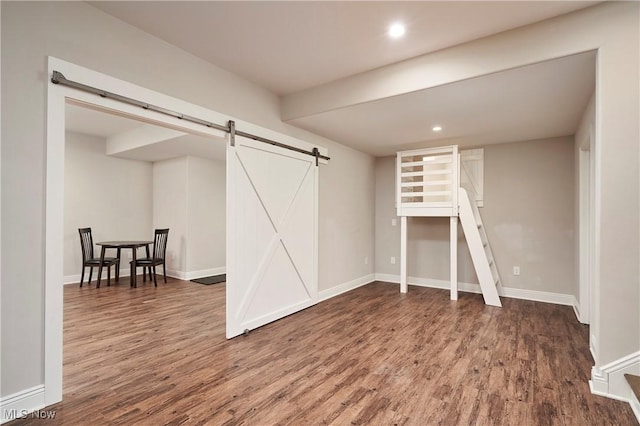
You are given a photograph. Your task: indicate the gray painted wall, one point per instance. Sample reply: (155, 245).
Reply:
(185, 194)
(189, 198)
(170, 208)
(98, 190)
(207, 213)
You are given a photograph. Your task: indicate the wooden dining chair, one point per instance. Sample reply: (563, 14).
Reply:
(157, 257)
(88, 259)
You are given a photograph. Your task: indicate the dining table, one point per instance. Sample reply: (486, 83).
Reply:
(119, 245)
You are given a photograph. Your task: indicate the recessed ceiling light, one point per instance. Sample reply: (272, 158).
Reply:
(396, 30)
(437, 128)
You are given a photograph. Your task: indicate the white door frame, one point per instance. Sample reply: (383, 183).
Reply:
(588, 233)
(57, 96)
(584, 238)
(595, 199)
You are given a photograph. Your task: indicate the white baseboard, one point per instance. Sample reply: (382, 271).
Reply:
(428, 282)
(22, 403)
(583, 319)
(71, 279)
(75, 279)
(593, 346)
(539, 296)
(344, 287)
(192, 275)
(635, 406)
(609, 381)
(576, 309)
(125, 272)
(387, 278)
(514, 293)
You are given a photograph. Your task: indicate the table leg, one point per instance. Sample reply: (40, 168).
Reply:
(100, 266)
(148, 257)
(118, 266)
(134, 268)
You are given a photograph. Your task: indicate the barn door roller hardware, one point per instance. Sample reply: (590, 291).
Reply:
(59, 78)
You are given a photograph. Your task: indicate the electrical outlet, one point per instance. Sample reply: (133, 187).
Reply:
(393, 260)
(394, 222)
(366, 260)
(516, 270)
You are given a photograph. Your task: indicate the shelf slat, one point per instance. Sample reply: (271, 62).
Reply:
(426, 183)
(425, 194)
(443, 160)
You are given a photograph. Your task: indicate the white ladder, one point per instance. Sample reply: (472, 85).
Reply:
(481, 255)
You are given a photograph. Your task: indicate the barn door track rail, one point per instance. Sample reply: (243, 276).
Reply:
(59, 78)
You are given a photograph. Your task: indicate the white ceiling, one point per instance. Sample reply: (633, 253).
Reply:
(97, 123)
(104, 125)
(288, 47)
(192, 145)
(538, 101)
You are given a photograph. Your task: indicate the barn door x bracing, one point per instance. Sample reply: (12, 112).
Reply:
(272, 205)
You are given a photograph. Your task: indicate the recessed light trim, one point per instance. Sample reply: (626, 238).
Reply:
(437, 128)
(396, 30)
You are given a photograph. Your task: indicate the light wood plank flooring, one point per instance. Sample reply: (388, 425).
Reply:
(151, 356)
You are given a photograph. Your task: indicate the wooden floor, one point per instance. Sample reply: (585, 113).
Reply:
(155, 356)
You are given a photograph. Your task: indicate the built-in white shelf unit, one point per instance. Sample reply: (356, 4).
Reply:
(428, 184)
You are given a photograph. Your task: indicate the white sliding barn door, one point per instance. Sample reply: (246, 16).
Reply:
(272, 205)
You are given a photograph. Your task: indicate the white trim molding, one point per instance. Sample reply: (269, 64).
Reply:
(192, 275)
(635, 406)
(75, 279)
(181, 275)
(428, 282)
(22, 403)
(514, 293)
(593, 344)
(539, 296)
(576, 310)
(345, 287)
(609, 381)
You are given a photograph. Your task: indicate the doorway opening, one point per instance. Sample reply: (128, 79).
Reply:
(253, 180)
(57, 100)
(124, 177)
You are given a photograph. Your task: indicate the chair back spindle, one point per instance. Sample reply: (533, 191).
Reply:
(86, 243)
(160, 243)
